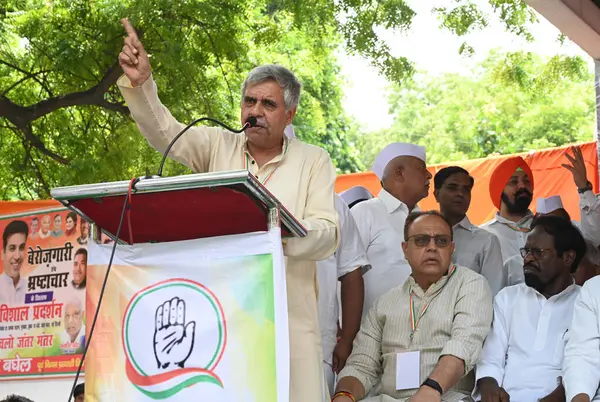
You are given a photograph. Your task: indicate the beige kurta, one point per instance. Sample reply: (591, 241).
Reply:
(302, 178)
(456, 323)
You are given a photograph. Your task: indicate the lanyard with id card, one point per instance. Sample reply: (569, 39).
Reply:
(408, 364)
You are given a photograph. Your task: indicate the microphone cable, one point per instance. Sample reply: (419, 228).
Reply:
(88, 341)
(250, 122)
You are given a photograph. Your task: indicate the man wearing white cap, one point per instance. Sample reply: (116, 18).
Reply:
(354, 195)
(552, 206)
(347, 265)
(405, 180)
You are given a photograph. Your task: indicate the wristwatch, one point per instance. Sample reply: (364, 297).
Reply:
(588, 186)
(433, 384)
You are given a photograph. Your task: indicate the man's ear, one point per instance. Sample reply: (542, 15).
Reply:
(569, 257)
(290, 116)
(404, 247)
(399, 172)
(436, 193)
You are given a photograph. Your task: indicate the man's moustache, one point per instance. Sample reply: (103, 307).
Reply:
(523, 191)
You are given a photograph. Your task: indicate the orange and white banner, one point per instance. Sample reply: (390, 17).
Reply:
(42, 294)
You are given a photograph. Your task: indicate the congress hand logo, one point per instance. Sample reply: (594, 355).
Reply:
(188, 343)
(173, 339)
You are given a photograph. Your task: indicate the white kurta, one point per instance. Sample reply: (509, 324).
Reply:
(524, 352)
(480, 251)
(380, 222)
(589, 206)
(511, 240)
(514, 268)
(10, 294)
(581, 367)
(349, 256)
(302, 177)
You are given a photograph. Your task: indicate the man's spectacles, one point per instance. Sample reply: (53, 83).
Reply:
(537, 253)
(422, 240)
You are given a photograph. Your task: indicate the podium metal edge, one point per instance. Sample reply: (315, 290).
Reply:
(185, 182)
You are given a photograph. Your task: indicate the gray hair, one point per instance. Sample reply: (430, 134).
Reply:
(75, 302)
(592, 254)
(284, 77)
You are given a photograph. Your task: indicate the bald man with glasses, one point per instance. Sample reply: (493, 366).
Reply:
(421, 339)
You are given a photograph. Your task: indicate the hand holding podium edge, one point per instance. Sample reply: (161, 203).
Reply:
(133, 57)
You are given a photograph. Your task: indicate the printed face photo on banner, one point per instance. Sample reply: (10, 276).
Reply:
(42, 294)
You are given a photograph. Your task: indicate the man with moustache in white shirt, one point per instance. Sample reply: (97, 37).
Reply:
(476, 248)
(523, 355)
(405, 181)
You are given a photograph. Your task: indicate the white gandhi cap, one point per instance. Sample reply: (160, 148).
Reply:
(393, 151)
(547, 205)
(354, 194)
(289, 131)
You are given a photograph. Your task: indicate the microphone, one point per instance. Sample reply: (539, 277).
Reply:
(250, 122)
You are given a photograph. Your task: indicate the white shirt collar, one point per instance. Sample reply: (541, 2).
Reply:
(466, 224)
(9, 281)
(525, 221)
(392, 204)
(569, 289)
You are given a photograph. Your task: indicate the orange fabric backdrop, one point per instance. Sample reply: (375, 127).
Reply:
(15, 207)
(550, 179)
(549, 176)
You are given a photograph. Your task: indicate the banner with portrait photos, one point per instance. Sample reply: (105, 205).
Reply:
(42, 294)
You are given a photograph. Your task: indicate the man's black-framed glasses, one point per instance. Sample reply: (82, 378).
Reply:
(422, 240)
(537, 253)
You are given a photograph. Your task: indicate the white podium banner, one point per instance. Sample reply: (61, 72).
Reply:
(201, 320)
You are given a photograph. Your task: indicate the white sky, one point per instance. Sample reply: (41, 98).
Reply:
(436, 50)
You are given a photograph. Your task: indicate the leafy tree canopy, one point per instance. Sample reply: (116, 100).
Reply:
(509, 103)
(63, 121)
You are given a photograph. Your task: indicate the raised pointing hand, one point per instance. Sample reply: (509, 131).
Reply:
(133, 57)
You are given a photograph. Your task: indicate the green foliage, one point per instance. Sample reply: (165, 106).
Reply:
(510, 103)
(62, 119)
(64, 53)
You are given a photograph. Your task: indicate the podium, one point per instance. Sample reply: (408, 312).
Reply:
(181, 208)
(210, 245)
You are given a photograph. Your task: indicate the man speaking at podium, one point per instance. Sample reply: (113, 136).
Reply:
(300, 175)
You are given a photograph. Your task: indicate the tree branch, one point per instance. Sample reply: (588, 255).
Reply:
(40, 176)
(37, 143)
(33, 76)
(216, 53)
(28, 76)
(23, 116)
(93, 96)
